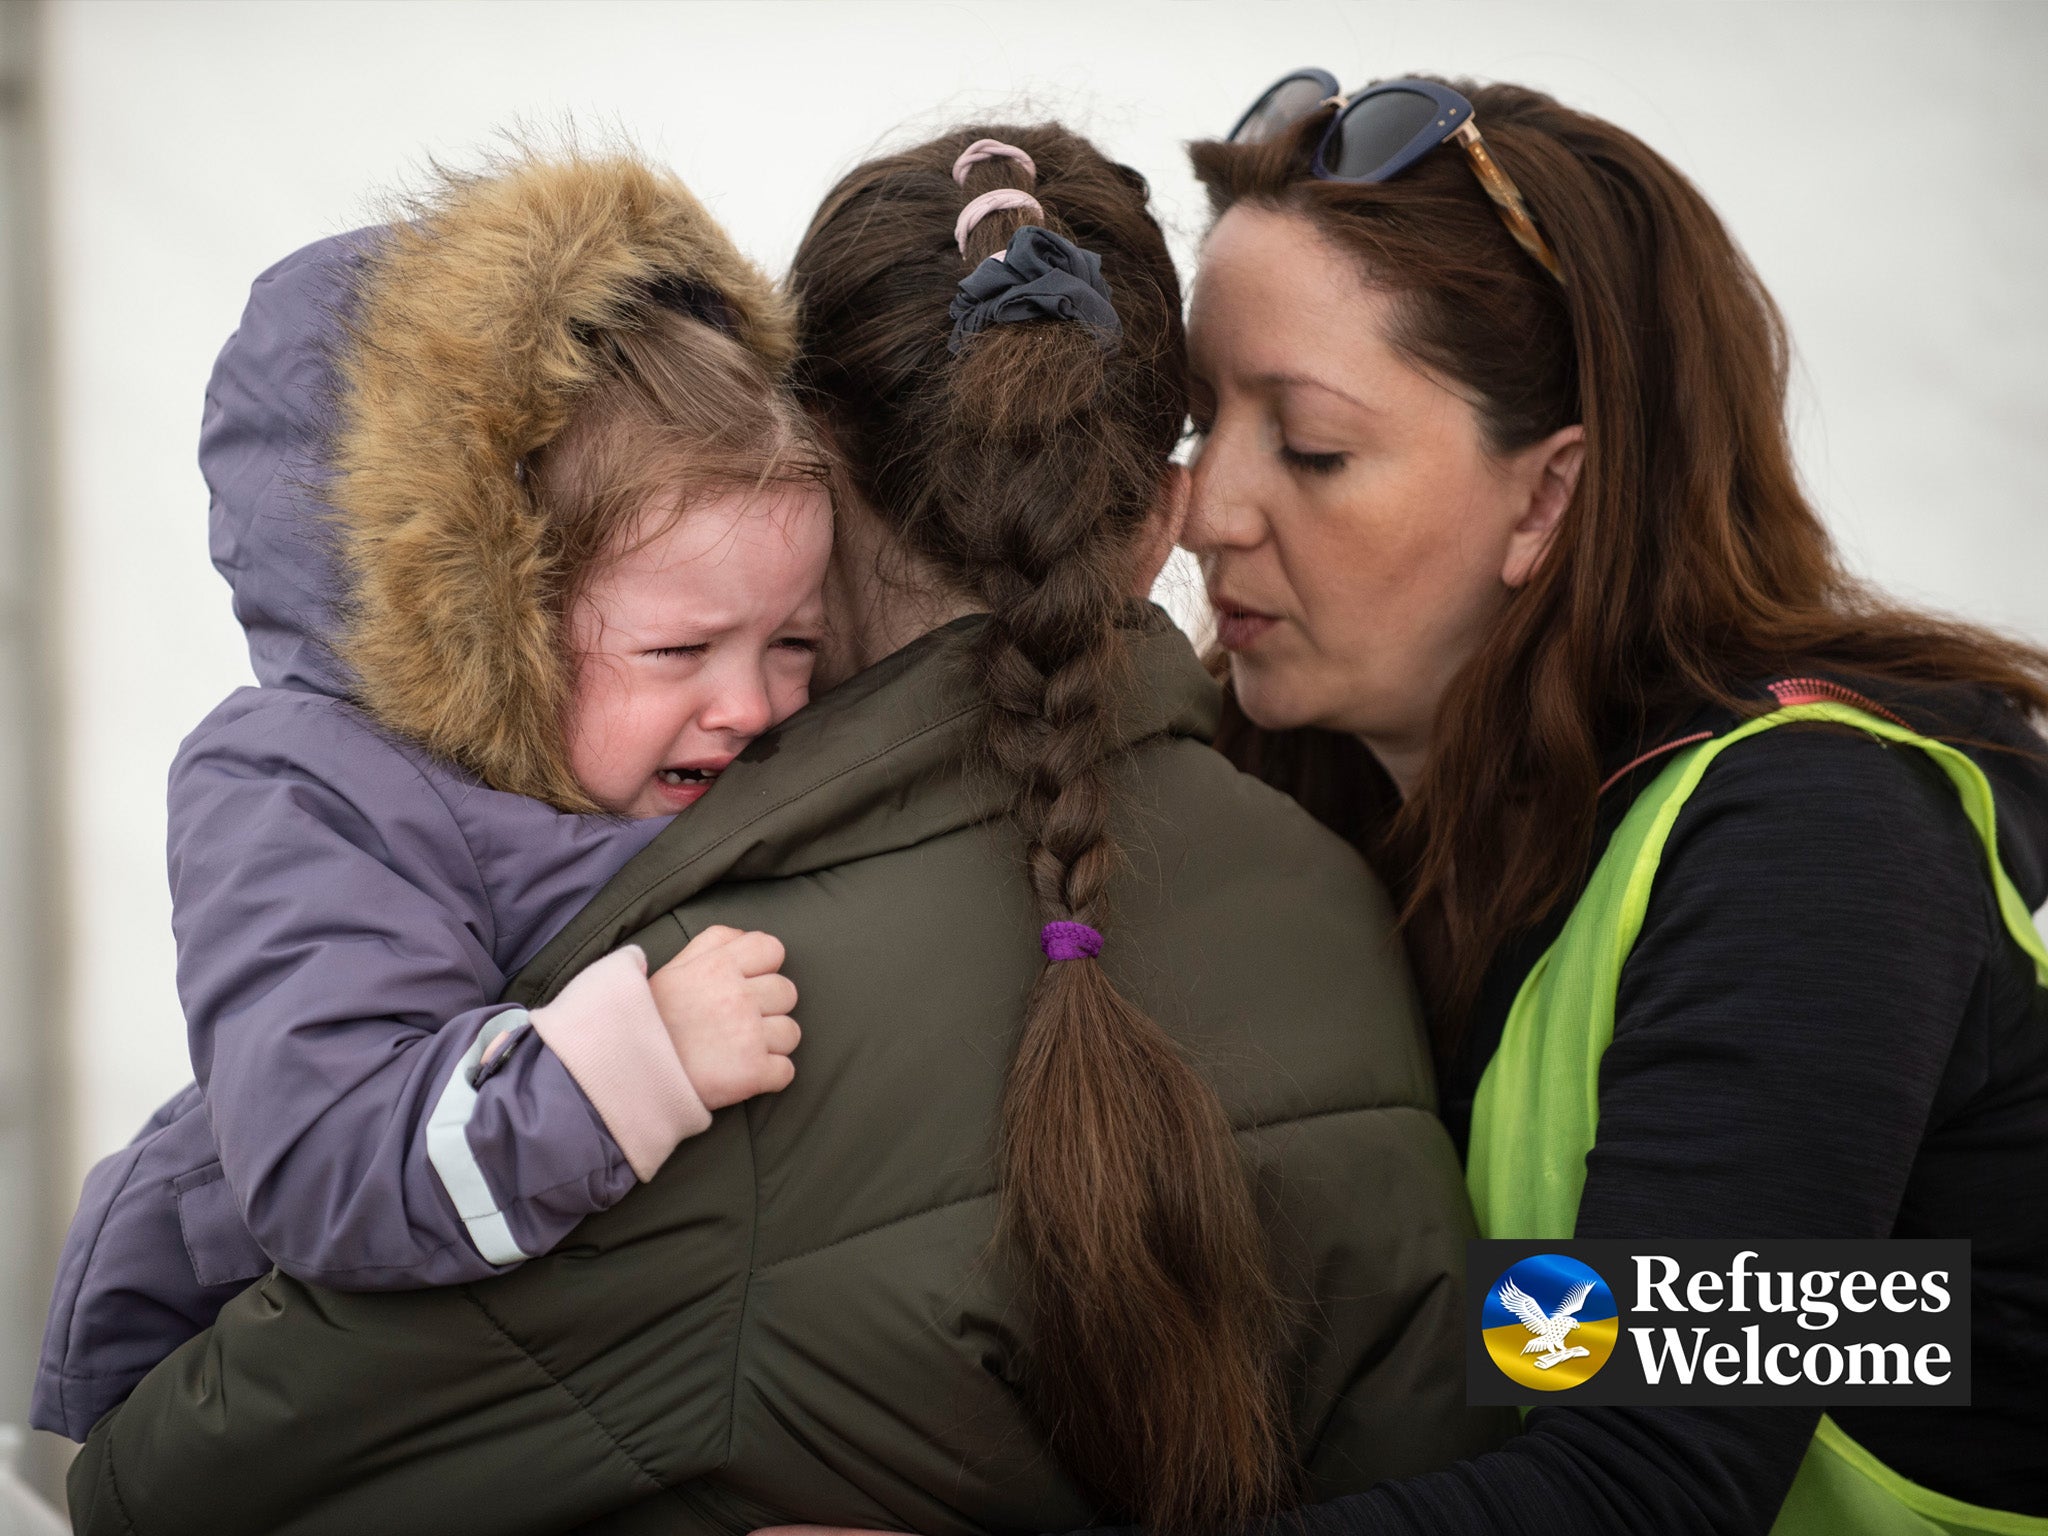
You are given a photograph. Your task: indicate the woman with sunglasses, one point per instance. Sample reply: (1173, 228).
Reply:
(1519, 591)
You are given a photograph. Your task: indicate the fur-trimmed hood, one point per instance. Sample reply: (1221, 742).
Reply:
(366, 424)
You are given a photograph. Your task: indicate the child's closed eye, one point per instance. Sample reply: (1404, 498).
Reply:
(679, 650)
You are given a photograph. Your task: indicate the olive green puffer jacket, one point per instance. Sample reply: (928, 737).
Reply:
(803, 1316)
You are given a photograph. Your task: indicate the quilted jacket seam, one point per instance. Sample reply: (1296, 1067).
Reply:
(880, 1226)
(611, 1437)
(1391, 1106)
(114, 1492)
(989, 1194)
(739, 1333)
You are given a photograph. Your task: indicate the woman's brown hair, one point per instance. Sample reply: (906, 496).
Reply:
(1026, 471)
(1689, 566)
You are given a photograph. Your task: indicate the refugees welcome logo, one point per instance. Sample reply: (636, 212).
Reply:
(1550, 1322)
(1712, 1322)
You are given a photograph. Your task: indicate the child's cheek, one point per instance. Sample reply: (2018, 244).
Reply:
(788, 701)
(788, 675)
(599, 727)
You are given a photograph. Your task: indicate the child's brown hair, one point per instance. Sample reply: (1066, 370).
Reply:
(680, 412)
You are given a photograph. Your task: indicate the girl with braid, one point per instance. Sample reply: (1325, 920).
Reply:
(1016, 465)
(1109, 1186)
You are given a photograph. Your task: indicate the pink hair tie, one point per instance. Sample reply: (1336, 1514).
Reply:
(988, 203)
(1069, 941)
(990, 149)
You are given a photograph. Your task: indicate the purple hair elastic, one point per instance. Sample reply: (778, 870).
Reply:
(988, 203)
(1069, 941)
(990, 149)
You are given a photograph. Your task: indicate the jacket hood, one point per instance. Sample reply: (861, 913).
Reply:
(366, 425)
(263, 443)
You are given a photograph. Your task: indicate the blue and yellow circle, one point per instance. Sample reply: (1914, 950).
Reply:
(1549, 1322)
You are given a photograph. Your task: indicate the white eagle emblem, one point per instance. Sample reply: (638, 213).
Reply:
(1550, 1328)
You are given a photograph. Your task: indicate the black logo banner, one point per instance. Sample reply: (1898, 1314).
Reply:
(1709, 1321)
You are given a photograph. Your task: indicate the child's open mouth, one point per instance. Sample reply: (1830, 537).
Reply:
(682, 785)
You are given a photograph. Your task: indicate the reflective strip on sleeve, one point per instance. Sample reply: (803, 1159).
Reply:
(449, 1151)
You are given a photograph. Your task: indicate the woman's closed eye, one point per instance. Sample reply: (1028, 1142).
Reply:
(1312, 463)
(1285, 431)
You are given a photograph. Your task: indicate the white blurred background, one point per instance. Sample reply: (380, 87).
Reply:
(1885, 165)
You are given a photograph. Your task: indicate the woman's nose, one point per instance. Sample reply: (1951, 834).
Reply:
(1221, 512)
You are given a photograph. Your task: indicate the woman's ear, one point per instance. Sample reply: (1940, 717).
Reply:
(1549, 472)
(1162, 529)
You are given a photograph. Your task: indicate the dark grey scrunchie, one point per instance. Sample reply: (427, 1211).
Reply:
(1042, 276)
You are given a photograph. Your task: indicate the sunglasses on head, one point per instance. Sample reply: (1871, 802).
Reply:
(1378, 133)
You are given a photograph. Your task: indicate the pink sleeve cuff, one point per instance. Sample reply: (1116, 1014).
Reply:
(608, 1033)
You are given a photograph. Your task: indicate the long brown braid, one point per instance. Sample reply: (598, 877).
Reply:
(1026, 470)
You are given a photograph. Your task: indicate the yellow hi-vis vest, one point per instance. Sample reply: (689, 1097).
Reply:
(1538, 1105)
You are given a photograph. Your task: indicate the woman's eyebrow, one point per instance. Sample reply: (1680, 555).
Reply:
(1304, 381)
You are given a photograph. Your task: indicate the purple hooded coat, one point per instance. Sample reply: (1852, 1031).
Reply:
(348, 909)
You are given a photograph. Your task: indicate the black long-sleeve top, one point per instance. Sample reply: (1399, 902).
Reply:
(1824, 1030)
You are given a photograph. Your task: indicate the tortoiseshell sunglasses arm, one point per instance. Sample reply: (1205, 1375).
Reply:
(1508, 198)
